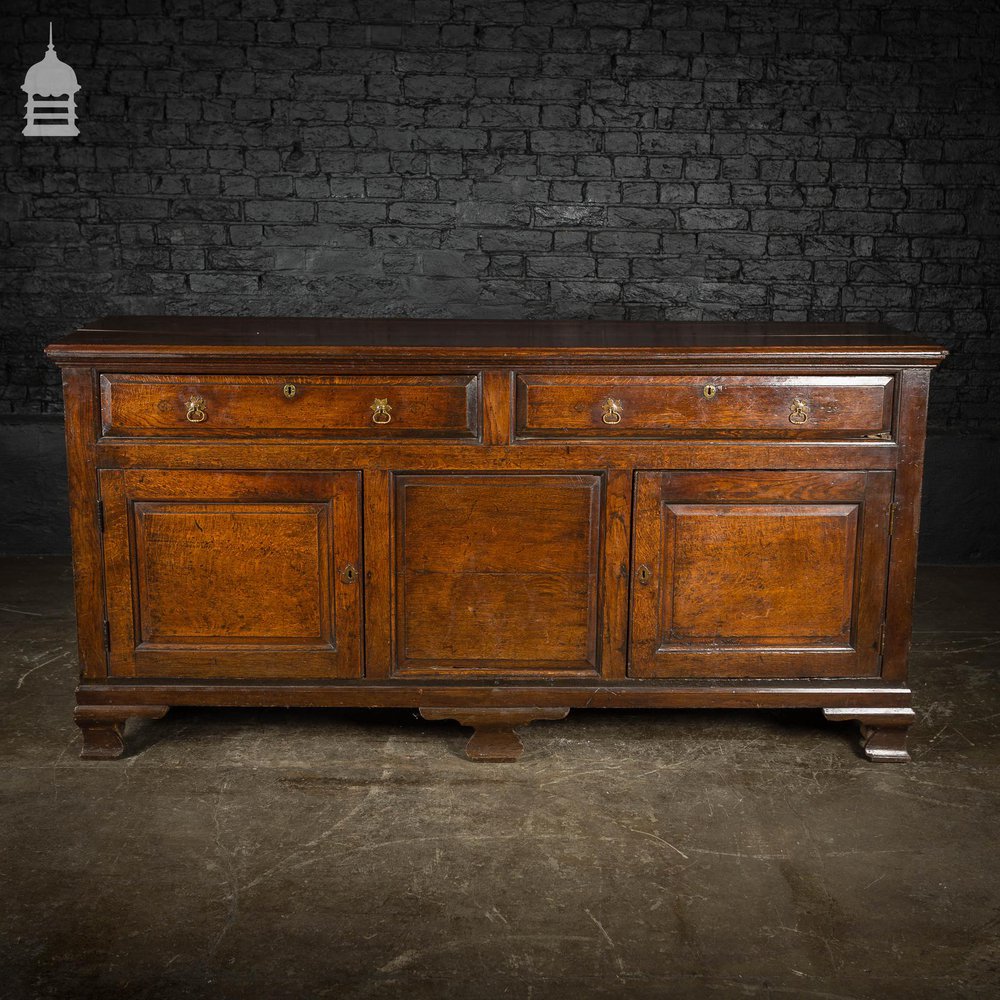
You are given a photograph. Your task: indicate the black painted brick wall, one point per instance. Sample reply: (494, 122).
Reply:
(760, 160)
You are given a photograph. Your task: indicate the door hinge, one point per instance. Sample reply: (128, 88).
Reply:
(892, 516)
(881, 639)
(107, 635)
(100, 515)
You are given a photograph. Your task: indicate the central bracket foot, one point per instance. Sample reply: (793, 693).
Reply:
(494, 739)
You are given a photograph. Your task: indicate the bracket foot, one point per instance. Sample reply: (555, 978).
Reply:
(103, 727)
(883, 730)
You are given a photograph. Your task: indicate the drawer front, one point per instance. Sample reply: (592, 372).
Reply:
(763, 406)
(242, 406)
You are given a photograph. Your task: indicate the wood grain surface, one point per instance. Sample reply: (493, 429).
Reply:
(497, 573)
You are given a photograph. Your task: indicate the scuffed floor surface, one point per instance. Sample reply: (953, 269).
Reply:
(357, 854)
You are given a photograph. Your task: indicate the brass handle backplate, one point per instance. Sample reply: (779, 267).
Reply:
(799, 413)
(196, 410)
(350, 574)
(380, 411)
(644, 575)
(612, 411)
(289, 389)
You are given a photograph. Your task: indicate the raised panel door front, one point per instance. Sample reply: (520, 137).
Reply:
(496, 574)
(759, 574)
(232, 575)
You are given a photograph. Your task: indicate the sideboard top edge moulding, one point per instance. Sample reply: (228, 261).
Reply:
(155, 338)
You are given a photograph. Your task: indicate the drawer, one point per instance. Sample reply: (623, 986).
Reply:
(749, 406)
(334, 406)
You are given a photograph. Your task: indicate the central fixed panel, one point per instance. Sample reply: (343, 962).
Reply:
(497, 574)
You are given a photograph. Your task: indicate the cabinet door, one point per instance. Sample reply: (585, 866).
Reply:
(232, 575)
(759, 574)
(496, 574)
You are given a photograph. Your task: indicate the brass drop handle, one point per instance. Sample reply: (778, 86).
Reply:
(644, 575)
(196, 410)
(612, 411)
(289, 389)
(380, 411)
(799, 413)
(350, 574)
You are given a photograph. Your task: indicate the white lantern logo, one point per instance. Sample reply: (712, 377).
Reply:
(51, 88)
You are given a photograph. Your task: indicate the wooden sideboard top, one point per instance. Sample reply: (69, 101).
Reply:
(162, 338)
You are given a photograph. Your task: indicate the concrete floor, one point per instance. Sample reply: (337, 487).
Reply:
(357, 854)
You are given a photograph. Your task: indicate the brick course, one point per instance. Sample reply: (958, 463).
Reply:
(506, 158)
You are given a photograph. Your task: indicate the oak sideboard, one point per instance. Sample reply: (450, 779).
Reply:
(493, 521)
